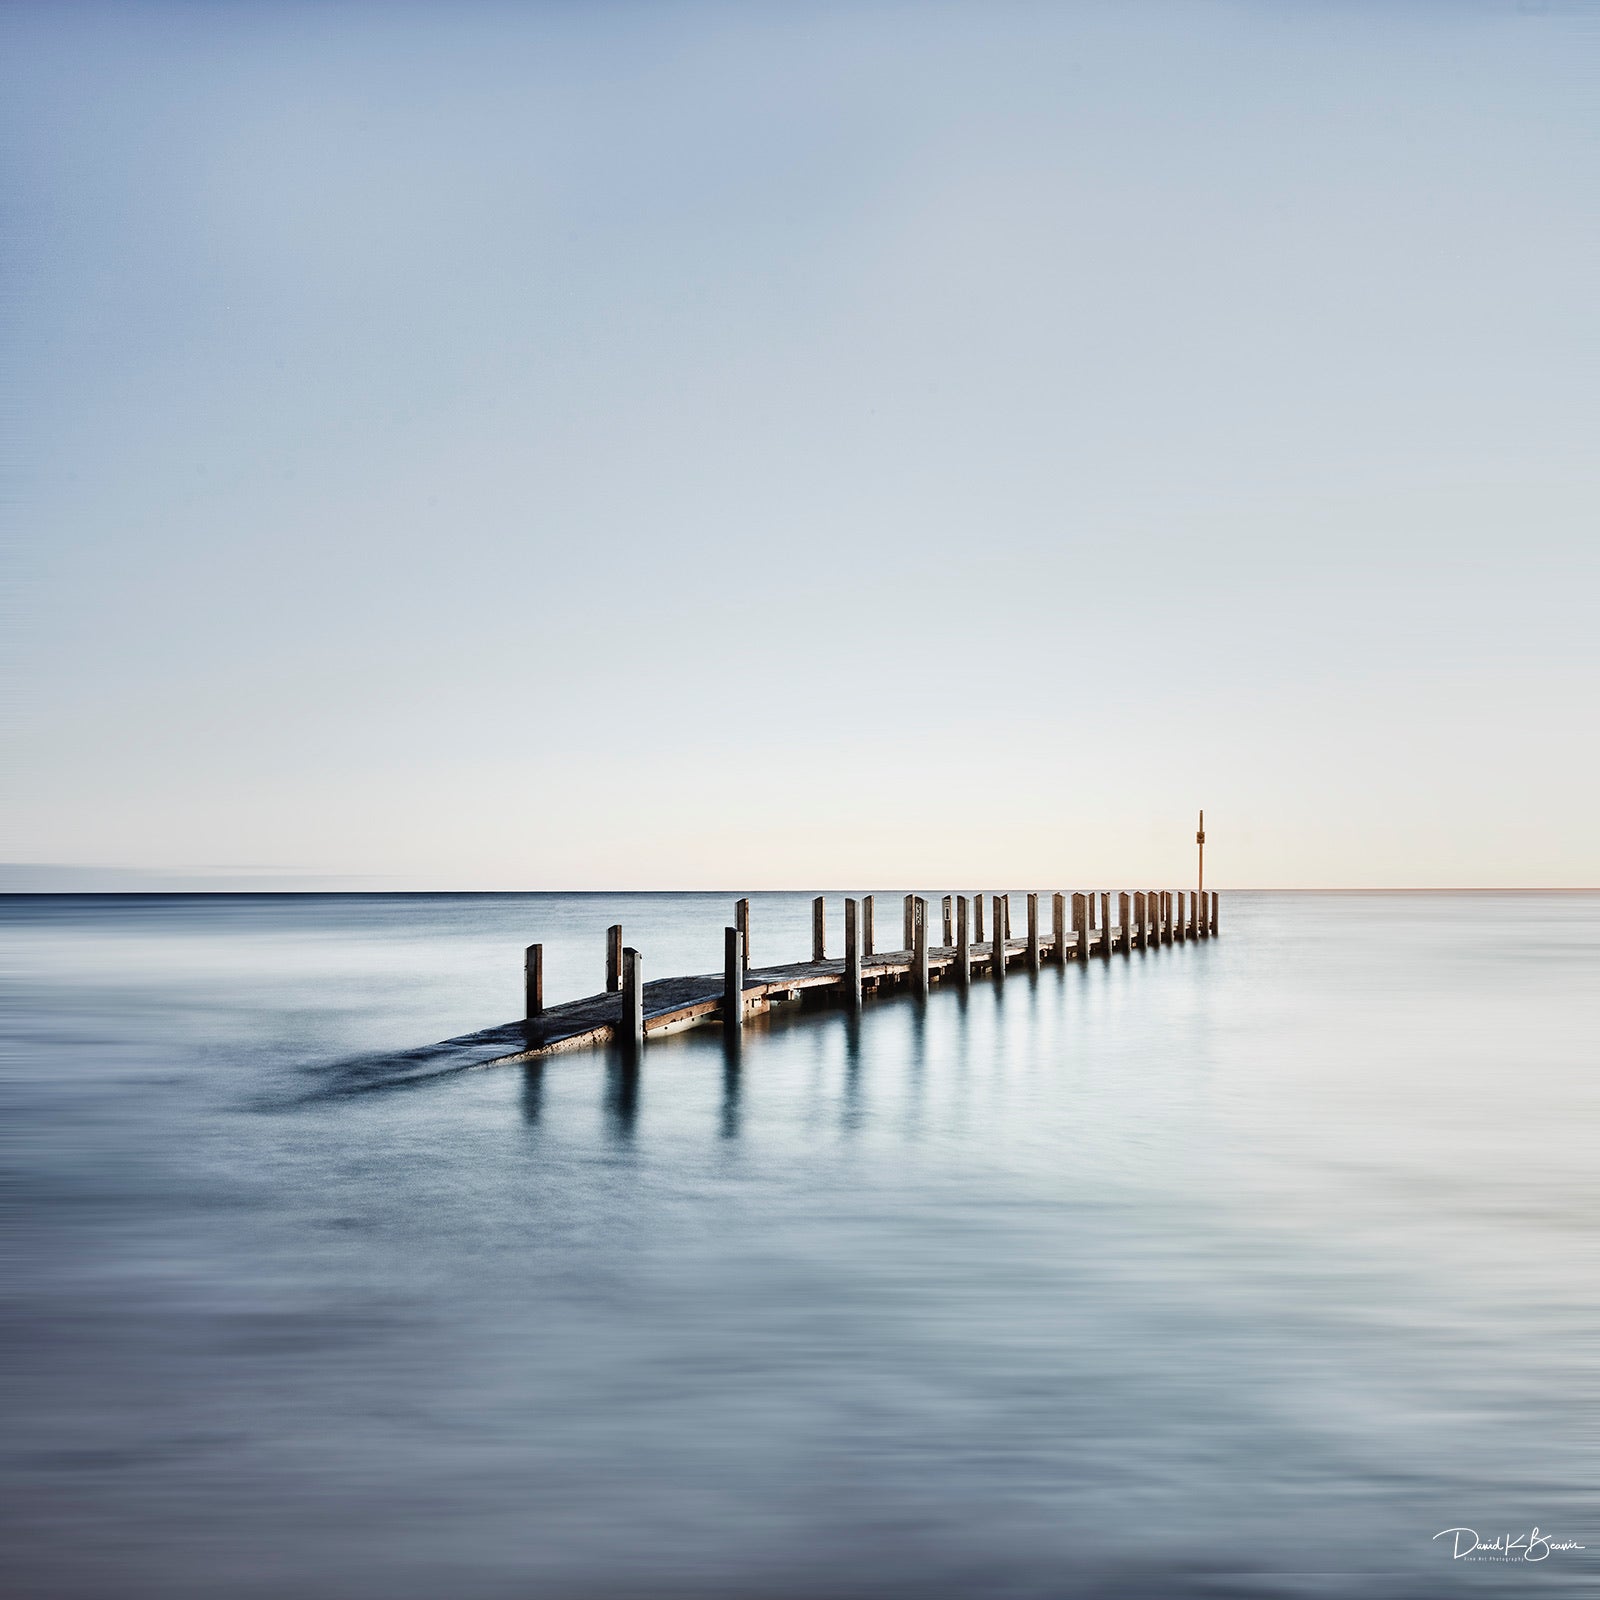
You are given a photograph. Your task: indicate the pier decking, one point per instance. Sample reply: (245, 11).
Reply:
(631, 1011)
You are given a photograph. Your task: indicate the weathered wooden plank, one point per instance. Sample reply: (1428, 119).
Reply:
(852, 952)
(533, 980)
(632, 999)
(733, 961)
(614, 958)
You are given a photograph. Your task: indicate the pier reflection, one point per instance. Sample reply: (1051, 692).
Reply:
(622, 1097)
(532, 1100)
(732, 1080)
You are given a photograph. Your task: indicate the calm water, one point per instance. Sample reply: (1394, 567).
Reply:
(1233, 1269)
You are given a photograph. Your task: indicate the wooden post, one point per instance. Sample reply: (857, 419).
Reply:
(1179, 931)
(1152, 912)
(733, 970)
(741, 920)
(1125, 921)
(1213, 913)
(533, 979)
(1058, 927)
(909, 910)
(852, 951)
(963, 948)
(998, 938)
(1005, 906)
(1105, 923)
(614, 958)
(631, 1033)
(1081, 906)
(919, 944)
(1141, 932)
(866, 925)
(949, 926)
(819, 930)
(1033, 933)
(1196, 914)
(977, 918)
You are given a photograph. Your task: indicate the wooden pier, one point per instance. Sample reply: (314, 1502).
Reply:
(631, 1011)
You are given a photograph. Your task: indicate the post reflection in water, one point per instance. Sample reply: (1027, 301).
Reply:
(532, 1100)
(732, 1069)
(622, 1095)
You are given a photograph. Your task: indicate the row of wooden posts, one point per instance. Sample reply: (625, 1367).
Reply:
(1145, 918)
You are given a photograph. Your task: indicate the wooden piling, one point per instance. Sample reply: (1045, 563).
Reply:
(819, 930)
(909, 912)
(1081, 904)
(533, 980)
(1213, 913)
(998, 938)
(1005, 906)
(919, 945)
(614, 958)
(977, 919)
(949, 924)
(741, 920)
(852, 952)
(963, 948)
(1105, 923)
(866, 924)
(733, 970)
(1139, 930)
(631, 1032)
(1033, 933)
(1125, 920)
(1180, 931)
(1058, 927)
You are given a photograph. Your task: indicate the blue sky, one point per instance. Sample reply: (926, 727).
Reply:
(711, 446)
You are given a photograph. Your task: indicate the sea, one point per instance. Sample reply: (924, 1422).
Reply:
(1262, 1266)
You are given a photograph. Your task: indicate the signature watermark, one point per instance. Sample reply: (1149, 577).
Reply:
(1466, 1545)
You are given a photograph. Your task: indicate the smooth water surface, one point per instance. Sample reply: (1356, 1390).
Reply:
(1230, 1269)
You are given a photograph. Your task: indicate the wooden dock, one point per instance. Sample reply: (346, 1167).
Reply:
(630, 1011)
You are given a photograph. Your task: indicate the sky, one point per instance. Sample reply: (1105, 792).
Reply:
(681, 445)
